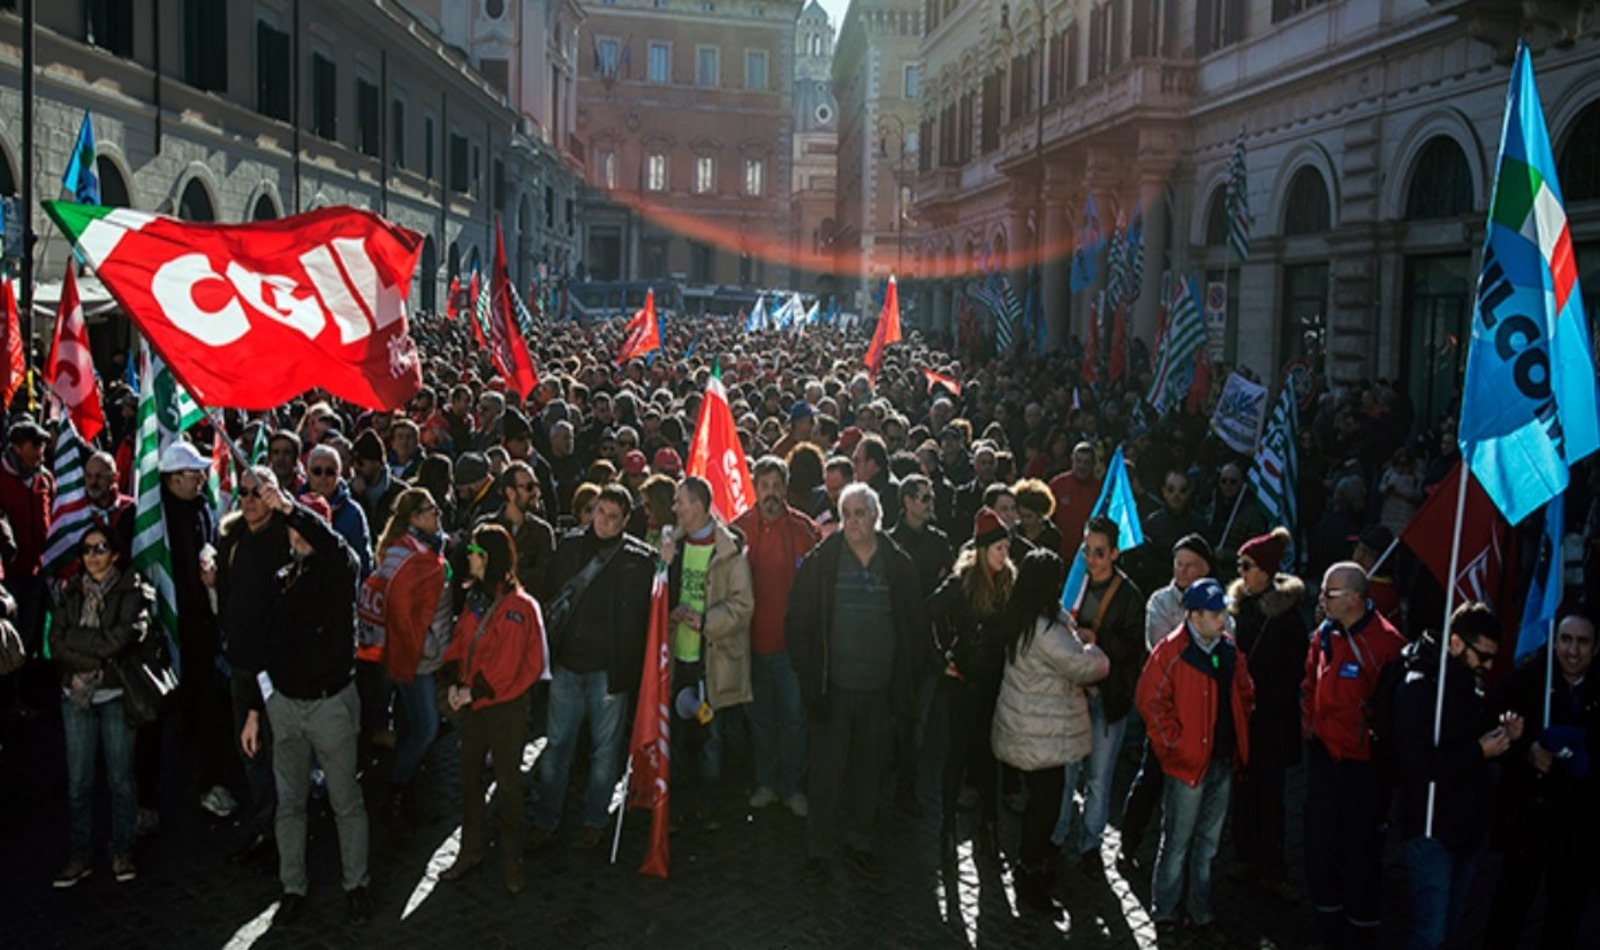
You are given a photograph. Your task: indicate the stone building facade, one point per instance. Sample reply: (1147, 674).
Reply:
(240, 110)
(1371, 129)
(685, 107)
(814, 186)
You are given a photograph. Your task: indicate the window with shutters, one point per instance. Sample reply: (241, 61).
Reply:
(460, 171)
(272, 71)
(989, 131)
(427, 148)
(205, 46)
(1306, 208)
(324, 97)
(705, 178)
(606, 169)
(108, 24)
(755, 177)
(964, 128)
(1097, 43)
(1116, 29)
(707, 66)
(1055, 84)
(1074, 48)
(755, 70)
(397, 133)
(1441, 182)
(1218, 24)
(656, 172)
(367, 118)
(660, 63)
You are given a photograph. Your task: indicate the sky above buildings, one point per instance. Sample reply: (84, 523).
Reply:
(836, 9)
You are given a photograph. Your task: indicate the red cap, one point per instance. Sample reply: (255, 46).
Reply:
(987, 528)
(848, 439)
(633, 463)
(318, 504)
(667, 461)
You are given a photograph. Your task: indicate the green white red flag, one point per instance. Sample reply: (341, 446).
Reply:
(717, 455)
(252, 315)
(888, 330)
(70, 369)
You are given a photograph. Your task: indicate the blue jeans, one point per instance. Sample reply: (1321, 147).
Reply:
(1439, 880)
(419, 724)
(1100, 768)
(777, 724)
(574, 699)
(100, 728)
(1191, 829)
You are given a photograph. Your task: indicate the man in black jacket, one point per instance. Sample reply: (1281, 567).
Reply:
(311, 700)
(1445, 785)
(855, 630)
(598, 653)
(929, 550)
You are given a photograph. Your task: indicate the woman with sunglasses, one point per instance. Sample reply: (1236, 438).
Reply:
(404, 610)
(496, 655)
(103, 614)
(1271, 630)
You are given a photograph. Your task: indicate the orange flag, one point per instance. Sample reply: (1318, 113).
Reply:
(644, 333)
(888, 328)
(651, 747)
(950, 383)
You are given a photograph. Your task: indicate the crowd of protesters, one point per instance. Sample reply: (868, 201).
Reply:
(478, 566)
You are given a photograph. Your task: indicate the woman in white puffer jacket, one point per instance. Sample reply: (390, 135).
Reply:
(1041, 721)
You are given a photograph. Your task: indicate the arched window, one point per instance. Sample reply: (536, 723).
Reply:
(453, 261)
(1579, 164)
(1441, 182)
(1217, 218)
(264, 209)
(195, 205)
(1306, 208)
(8, 178)
(113, 187)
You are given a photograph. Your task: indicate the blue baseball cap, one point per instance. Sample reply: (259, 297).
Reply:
(1205, 594)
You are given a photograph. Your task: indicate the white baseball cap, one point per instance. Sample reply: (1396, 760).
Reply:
(181, 456)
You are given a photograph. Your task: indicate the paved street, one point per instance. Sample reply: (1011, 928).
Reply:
(738, 886)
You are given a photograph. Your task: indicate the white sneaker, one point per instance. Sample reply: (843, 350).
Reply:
(219, 801)
(797, 805)
(763, 797)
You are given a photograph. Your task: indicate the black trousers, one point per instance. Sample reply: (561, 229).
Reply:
(1567, 871)
(1045, 788)
(969, 755)
(503, 730)
(1346, 805)
(1258, 817)
(850, 749)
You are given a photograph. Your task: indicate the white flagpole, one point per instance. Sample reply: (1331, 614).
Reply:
(1550, 644)
(616, 836)
(1444, 636)
(1373, 571)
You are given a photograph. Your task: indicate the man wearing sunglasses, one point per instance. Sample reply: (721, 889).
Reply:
(1346, 793)
(1449, 778)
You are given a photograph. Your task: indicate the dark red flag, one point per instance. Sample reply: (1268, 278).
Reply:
(888, 330)
(651, 747)
(506, 346)
(1486, 541)
(643, 332)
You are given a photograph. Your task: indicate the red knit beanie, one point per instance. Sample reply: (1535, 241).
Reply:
(1267, 549)
(987, 528)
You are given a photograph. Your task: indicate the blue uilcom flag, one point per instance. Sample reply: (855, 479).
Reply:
(1528, 403)
(1116, 502)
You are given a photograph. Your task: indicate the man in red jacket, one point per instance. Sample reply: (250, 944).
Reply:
(777, 538)
(1347, 798)
(26, 491)
(1195, 696)
(1076, 491)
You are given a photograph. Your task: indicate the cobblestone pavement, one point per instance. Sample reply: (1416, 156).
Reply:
(737, 886)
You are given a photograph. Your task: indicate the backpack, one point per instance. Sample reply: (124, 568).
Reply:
(1382, 737)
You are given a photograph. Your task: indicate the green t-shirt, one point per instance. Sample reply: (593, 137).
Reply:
(692, 594)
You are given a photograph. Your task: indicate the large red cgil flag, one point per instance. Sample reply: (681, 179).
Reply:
(888, 330)
(15, 367)
(643, 331)
(70, 369)
(507, 347)
(650, 749)
(717, 455)
(250, 316)
(1486, 541)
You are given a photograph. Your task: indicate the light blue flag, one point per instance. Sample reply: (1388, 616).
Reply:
(1544, 593)
(1117, 503)
(1528, 404)
(80, 177)
(758, 319)
(1087, 252)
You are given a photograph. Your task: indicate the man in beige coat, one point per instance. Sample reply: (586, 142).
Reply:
(713, 600)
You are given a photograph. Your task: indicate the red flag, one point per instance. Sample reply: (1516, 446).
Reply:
(1091, 348)
(1485, 540)
(70, 368)
(643, 332)
(15, 365)
(888, 330)
(506, 346)
(950, 383)
(252, 315)
(650, 749)
(1119, 346)
(451, 301)
(1200, 385)
(717, 456)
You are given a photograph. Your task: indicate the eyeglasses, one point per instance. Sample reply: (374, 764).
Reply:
(426, 509)
(474, 549)
(325, 472)
(249, 493)
(97, 549)
(1486, 657)
(1328, 593)
(1246, 565)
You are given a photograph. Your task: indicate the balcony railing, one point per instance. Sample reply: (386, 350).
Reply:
(1142, 89)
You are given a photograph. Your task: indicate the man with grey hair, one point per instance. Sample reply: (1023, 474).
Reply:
(252, 545)
(855, 630)
(565, 466)
(325, 476)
